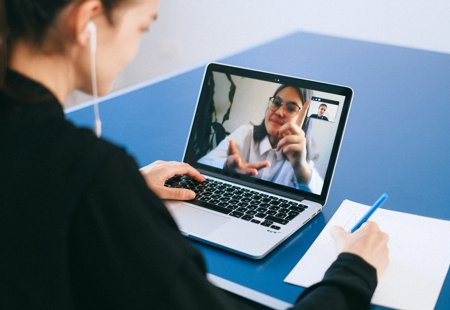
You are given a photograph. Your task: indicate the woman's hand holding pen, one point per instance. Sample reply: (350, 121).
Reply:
(157, 173)
(368, 242)
(235, 161)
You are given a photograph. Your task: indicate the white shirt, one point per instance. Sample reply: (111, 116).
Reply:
(280, 171)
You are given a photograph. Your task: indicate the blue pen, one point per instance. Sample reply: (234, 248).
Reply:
(366, 216)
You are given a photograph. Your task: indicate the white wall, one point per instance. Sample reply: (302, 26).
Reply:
(191, 33)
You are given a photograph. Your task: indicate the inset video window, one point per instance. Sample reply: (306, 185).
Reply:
(323, 109)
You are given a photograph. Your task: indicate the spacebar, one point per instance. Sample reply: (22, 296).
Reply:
(210, 206)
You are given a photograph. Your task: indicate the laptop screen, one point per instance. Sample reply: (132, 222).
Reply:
(272, 131)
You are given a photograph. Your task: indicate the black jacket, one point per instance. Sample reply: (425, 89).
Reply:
(79, 228)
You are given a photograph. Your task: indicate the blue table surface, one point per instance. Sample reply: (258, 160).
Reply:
(396, 141)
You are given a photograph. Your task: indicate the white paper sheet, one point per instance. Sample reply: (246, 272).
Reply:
(419, 252)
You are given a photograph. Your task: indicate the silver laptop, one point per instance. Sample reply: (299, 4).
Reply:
(267, 145)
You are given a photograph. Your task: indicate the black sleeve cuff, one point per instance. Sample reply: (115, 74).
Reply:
(349, 283)
(351, 266)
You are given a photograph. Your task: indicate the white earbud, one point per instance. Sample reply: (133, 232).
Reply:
(92, 30)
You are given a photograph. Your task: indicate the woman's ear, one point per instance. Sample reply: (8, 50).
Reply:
(85, 12)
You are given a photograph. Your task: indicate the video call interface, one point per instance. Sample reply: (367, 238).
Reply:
(275, 132)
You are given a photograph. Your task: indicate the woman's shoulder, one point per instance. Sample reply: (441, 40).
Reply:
(89, 158)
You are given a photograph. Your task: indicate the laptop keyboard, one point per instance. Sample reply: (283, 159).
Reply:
(239, 202)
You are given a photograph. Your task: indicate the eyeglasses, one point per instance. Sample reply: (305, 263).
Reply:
(290, 108)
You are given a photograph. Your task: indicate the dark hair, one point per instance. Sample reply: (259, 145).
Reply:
(260, 131)
(30, 20)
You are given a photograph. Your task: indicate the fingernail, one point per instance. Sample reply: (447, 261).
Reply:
(191, 195)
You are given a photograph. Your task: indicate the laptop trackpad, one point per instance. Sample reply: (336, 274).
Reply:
(194, 221)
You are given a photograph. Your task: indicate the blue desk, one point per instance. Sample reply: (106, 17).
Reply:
(397, 138)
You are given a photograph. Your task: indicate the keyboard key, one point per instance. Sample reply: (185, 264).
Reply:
(222, 203)
(236, 214)
(260, 215)
(255, 221)
(275, 227)
(277, 220)
(233, 205)
(210, 206)
(247, 217)
(296, 209)
(290, 217)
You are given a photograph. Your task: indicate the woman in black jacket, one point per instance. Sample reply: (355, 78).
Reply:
(80, 225)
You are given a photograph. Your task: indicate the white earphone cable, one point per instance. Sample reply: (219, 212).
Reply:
(93, 49)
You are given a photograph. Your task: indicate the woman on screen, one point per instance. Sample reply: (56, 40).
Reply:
(273, 151)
